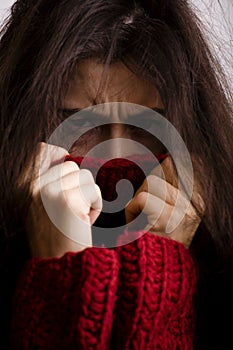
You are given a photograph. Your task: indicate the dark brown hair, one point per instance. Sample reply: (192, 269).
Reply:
(41, 44)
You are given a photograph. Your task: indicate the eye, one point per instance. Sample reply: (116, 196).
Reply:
(147, 123)
(65, 113)
(82, 122)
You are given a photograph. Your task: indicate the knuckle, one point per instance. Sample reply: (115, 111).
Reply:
(87, 174)
(192, 215)
(49, 191)
(70, 166)
(97, 188)
(141, 196)
(151, 178)
(148, 183)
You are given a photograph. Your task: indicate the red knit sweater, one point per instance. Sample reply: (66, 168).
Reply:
(135, 296)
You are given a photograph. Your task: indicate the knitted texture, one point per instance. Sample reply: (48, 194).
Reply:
(108, 173)
(157, 275)
(138, 295)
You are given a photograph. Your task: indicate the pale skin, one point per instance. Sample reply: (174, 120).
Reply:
(67, 189)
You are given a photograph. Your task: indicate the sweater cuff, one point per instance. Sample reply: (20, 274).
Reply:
(73, 295)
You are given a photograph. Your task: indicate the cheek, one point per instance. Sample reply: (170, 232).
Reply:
(149, 141)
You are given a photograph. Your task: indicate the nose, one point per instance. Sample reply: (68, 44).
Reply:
(117, 130)
(122, 144)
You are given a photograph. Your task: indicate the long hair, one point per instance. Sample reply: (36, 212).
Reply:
(160, 40)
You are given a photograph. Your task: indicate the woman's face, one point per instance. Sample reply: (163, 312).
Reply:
(120, 85)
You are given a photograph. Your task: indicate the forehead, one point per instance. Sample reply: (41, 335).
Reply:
(93, 83)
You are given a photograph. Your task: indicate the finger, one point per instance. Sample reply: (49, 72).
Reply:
(77, 179)
(72, 180)
(90, 195)
(153, 206)
(159, 188)
(146, 203)
(187, 177)
(85, 201)
(49, 155)
(158, 213)
(53, 175)
(58, 171)
(70, 214)
(166, 170)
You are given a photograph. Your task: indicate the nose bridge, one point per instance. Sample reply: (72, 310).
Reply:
(117, 133)
(123, 144)
(117, 130)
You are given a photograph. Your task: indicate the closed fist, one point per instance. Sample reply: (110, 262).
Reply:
(65, 204)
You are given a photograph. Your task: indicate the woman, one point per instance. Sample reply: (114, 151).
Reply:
(47, 58)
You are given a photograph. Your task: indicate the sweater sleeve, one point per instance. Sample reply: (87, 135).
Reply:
(66, 303)
(158, 274)
(136, 296)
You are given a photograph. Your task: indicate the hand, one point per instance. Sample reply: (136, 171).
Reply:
(157, 198)
(70, 197)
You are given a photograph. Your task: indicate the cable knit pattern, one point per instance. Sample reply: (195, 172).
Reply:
(157, 280)
(66, 303)
(135, 296)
